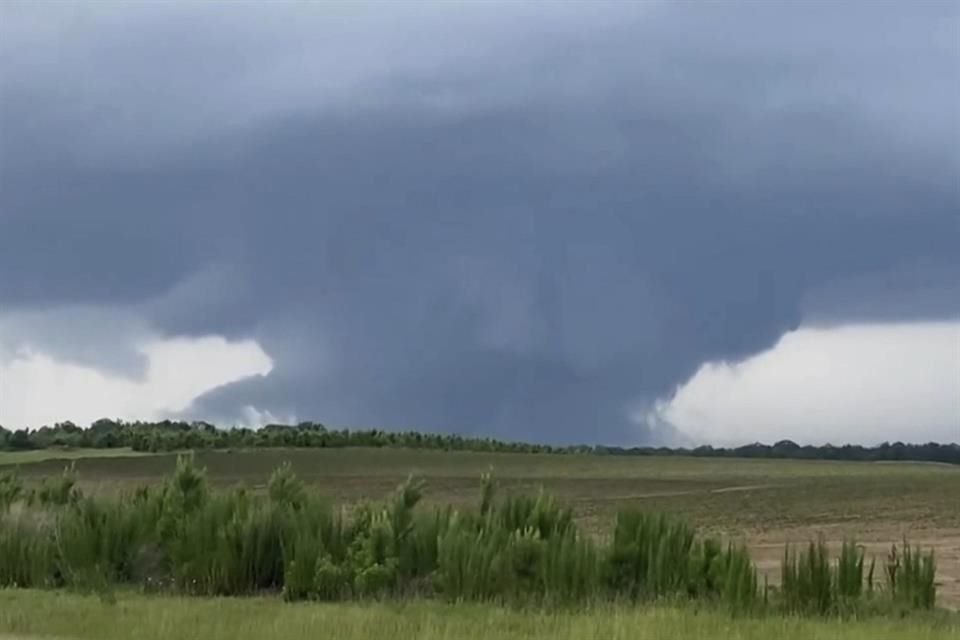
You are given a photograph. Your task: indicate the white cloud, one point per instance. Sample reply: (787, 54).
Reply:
(37, 388)
(859, 383)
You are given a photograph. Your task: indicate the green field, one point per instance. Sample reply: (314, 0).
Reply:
(764, 502)
(32, 614)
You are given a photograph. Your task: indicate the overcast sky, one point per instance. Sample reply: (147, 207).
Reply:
(570, 222)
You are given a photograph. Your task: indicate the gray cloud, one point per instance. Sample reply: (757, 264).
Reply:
(87, 336)
(500, 220)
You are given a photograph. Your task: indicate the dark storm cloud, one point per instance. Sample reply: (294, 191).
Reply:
(494, 222)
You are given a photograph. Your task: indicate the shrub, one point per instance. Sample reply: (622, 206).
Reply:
(911, 577)
(807, 583)
(849, 575)
(471, 563)
(11, 489)
(331, 581)
(570, 569)
(650, 556)
(285, 489)
(27, 555)
(59, 491)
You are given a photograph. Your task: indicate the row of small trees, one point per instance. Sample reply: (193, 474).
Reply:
(519, 549)
(179, 436)
(169, 435)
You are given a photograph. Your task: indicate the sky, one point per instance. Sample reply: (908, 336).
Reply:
(603, 222)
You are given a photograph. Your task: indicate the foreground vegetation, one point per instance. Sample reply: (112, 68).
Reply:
(520, 549)
(177, 436)
(57, 615)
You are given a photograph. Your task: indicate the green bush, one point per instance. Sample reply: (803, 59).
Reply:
(807, 579)
(58, 491)
(650, 556)
(331, 581)
(285, 489)
(570, 569)
(471, 562)
(11, 489)
(911, 577)
(848, 581)
(27, 553)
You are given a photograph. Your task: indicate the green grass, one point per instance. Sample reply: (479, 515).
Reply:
(62, 616)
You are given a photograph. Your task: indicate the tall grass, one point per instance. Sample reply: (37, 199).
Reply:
(182, 537)
(910, 576)
(653, 557)
(813, 582)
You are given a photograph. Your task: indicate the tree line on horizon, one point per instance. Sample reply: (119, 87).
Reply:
(171, 435)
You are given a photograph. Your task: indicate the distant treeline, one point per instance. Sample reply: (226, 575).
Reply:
(177, 436)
